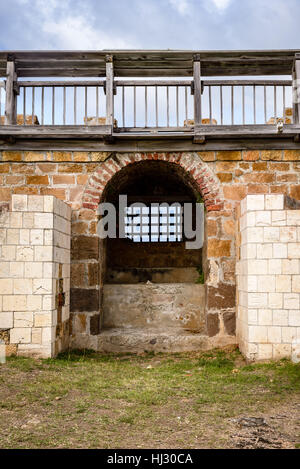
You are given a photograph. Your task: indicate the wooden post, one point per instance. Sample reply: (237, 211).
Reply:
(197, 90)
(10, 100)
(296, 90)
(109, 88)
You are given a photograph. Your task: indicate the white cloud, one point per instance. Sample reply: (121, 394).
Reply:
(181, 6)
(221, 4)
(76, 32)
(67, 26)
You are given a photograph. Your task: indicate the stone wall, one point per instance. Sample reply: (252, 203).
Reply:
(35, 275)
(268, 278)
(78, 178)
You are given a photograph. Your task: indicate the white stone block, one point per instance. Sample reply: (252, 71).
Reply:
(291, 301)
(290, 266)
(280, 251)
(42, 286)
(22, 286)
(280, 317)
(36, 237)
(33, 270)
(8, 253)
(274, 202)
(48, 203)
(251, 283)
(19, 203)
(265, 317)
(28, 220)
(2, 236)
(23, 319)
(275, 300)
(263, 218)
(283, 283)
(20, 335)
(253, 202)
(48, 270)
(43, 319)
(14, 303)
(274, 335)
(24, 253)
(252, 317)
(257, 267)
(266, 283)
(48, 302)
(288, 234)
(264, 352)
(16, 269)
(258, 334)
(34, 302)
(43, 253)
(47, 335)
(4, 269)
(296, 283)
(294, 318)
(281, 351)
(294, 250)
(35, 203)
(6, 320)
(257, 300)
(271, 234)
(278, 218)
(36, 335)
(253, 235)
(43, 220)
(289, 334)
(248, 251)
(12, 236)
(264, 250)
(274, 266)
(293, 217)
(24, 236)
(16, 219)
(6, 286)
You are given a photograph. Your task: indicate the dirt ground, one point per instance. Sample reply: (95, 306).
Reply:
(87, 400)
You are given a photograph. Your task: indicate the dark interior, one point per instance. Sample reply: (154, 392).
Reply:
(158, 262)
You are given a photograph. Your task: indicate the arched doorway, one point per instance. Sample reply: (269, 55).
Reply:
(151, 281)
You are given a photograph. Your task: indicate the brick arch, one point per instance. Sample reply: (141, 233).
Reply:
(203, 178)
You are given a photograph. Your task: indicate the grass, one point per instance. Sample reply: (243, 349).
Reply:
(89, 400)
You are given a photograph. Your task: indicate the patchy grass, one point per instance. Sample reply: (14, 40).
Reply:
(89, 400)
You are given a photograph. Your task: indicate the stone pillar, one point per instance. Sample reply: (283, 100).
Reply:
(268, 279)
(35, 275)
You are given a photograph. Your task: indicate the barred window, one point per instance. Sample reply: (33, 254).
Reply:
(154, 223)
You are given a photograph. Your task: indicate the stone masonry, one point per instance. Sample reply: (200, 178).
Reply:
(224, 178)
(268, 278)
(35, 275)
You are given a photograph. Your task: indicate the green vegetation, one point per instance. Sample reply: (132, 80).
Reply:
(85, 399)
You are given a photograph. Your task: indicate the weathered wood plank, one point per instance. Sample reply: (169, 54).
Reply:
(197, 90)
(54, 131)
(10, 100)
(109, 90)
(159, 144)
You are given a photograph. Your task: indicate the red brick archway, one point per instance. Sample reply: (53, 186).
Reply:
(204, 179)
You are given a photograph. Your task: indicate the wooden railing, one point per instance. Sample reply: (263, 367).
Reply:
(169, 105)
(153, 103)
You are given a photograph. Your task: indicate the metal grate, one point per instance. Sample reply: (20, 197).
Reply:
(155, 223)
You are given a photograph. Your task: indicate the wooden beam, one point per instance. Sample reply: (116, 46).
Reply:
(197, 89)
(55, 131)
(109, 90)
(296, 90)
(10, 99)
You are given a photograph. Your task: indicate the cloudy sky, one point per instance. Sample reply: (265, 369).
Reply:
(149, 24)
